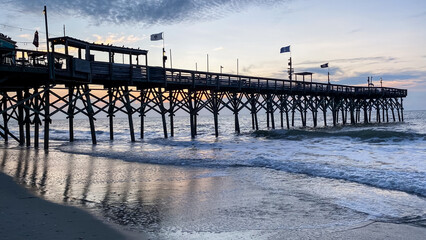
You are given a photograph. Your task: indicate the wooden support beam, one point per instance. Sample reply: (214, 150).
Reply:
(267, 113)
(142, 110)
(365, 111)
(163, 111)
(215, 106)
(343, 114)
(46, 116)
(27, 117)
(71, 105)
(314, 117)
(191, 112)
(281, 100)
(195, 110)
(287, 119)
(370, 109)
(352, 110)
(129, 110)
(20, 118)
(324, 111)
(387, 112)
(171, 113)
(90, 112)
(304, 111)
(37, 121)
(255, 124)
(392, 109)
(271, 110)
(5, 117)
(334, 112)
(399, 115)
(383, 112)
(236, 110)
(110, 115)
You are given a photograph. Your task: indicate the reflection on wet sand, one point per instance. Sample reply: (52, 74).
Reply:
(138, 195)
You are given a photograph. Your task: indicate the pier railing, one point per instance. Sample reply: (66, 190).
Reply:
(250, 83)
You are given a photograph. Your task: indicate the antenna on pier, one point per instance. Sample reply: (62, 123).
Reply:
(237, 67)
(290, 69)
(207, 62)
(64, 31)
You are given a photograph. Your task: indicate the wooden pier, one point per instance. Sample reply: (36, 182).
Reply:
(34, 86)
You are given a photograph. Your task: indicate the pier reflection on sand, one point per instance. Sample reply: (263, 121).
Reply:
(170, 199)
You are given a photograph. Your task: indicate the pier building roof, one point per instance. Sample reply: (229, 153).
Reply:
(77, 43)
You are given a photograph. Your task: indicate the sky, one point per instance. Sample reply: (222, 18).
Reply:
(379, 38)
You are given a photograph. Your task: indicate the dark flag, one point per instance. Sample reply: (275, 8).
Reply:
(157, 36)
(35, 41)
(285, 49)
(325, 65)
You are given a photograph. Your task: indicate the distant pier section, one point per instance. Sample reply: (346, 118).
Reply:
(35, 85)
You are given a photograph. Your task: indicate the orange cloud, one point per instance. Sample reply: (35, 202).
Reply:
(116, 39)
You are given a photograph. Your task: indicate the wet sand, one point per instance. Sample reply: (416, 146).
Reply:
(149, 201)
(25, 216)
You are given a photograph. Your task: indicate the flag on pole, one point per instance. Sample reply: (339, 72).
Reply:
(325, 65)
(35, 41)
(157, 36)
(285, 49)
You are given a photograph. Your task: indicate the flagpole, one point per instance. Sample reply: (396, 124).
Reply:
(171, 66)
(291, 65)
(49, 58)
(47, 30)
(164, 54)
(328, 75)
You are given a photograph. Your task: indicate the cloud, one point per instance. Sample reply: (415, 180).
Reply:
(407, 79)
(352, 60)
(115, 39)
(356, 30)
(317, 70)
(149, 12)
(248, 69)
(26, 36)
(218, 49)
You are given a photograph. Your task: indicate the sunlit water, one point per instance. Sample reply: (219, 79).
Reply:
(255, 184)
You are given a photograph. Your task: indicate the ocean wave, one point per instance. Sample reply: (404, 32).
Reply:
(409, 182)
(361, 134)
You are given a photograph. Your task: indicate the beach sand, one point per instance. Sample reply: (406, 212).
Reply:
(25, 216)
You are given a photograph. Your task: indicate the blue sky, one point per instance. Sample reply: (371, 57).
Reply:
(383, 39)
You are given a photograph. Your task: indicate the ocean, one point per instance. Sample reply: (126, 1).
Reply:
(256, 184)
